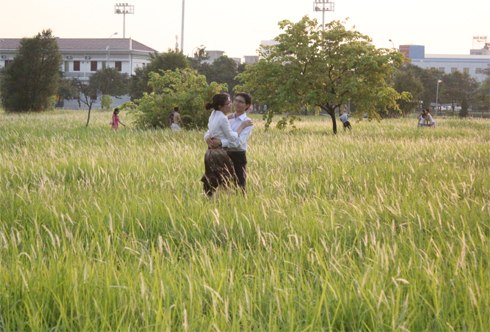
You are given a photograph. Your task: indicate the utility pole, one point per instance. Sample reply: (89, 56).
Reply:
(182, 28)
(123, 8)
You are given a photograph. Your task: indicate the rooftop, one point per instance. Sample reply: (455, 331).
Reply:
(87, 44)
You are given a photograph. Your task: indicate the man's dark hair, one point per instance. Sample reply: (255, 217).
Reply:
(246, 96)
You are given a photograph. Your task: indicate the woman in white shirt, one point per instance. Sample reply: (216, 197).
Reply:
(218, 165)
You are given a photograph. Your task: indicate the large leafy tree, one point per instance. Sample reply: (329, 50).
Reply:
(30, 82)
(159, 62)
(456, 87)
(407, 79)
(325, 68)
(183, 88)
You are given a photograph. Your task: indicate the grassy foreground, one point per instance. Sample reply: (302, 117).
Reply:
(386, 228)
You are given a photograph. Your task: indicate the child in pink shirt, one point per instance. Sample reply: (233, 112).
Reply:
(115, 119)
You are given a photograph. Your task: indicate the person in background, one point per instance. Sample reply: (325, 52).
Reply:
(344, 117)
(115, 119)
(421, 118)
(219, 170)
(175, 120)
(429, 120)
(426, 119)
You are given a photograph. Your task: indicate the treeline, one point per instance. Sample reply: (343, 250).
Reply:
(310, 68)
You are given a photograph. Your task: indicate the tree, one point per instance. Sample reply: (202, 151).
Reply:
(183, 88)
(429, 78)
(223, 70)
(109, 81)
(159, 62)
(66, 90)
(104, 82)
(482, 96)
(30, 82)
(463, 112)
(325, 68)
(456, 87)
(407, 79)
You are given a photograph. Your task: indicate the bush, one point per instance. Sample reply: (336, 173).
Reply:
(183, 88)
(106, 102)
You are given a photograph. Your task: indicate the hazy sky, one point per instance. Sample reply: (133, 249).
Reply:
(237, 27)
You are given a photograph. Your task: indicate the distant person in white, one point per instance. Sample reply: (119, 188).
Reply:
(429, 120)
(218, 166)
(426, 119)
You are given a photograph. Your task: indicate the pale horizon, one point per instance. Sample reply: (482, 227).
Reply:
(237, 28)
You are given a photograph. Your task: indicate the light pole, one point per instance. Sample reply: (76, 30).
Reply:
(123, 8)
(108, 51)
(392, 43)
(323, 6)
(182, 28)
(437, 96)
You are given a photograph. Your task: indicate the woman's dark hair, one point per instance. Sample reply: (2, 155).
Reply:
(219, 100)
(116, 110)
(246, 96)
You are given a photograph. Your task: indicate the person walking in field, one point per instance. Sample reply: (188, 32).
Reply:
(115, 119)
(219, 169)
(344, 117)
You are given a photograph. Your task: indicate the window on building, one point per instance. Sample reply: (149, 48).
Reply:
(104, 64)
(93, 65)
(118, 65)
(76, 65)
(67, 66)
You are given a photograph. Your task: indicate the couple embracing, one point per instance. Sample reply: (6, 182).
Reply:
(225, 160)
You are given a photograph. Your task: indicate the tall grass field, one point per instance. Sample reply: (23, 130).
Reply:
(386, 228)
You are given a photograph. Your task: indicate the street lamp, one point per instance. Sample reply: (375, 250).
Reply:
(323, 6)
(437, 96)
(123, 8)
(392, 43)
(108, 51)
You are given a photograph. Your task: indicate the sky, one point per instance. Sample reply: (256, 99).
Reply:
(238, 27)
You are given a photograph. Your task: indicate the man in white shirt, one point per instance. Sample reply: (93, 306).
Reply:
(241, 104)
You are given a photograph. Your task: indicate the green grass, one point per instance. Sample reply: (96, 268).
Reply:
(384, 228)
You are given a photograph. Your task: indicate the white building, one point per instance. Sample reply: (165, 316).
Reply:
(474, 64)
(250, 59)
(82, 57)
(213, 55)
